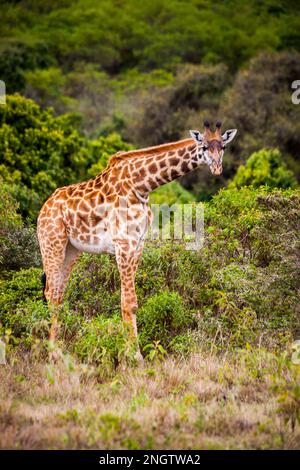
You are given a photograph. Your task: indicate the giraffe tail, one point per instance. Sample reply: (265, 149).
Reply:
(43, 279)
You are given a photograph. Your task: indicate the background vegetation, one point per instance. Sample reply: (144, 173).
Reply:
(217, 327)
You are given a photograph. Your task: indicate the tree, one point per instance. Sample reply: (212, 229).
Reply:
(259, 105)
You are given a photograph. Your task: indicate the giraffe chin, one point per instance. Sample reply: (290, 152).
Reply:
(217, 172)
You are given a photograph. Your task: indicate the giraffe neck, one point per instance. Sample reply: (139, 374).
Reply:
(154, 170)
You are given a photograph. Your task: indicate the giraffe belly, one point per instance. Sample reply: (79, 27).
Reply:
(104, 245)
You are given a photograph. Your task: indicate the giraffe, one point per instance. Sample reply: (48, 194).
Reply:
(110, 213)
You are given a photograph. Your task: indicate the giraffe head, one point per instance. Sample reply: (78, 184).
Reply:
(211, 145)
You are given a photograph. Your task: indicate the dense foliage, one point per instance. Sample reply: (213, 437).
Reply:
(240, 288)
(156, 34)
(266, 167)
(18, 242)
(150, 71)
(218, 327)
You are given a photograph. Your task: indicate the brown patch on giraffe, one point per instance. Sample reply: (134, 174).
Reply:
(174, 174)
(142, 173)
(106, 188)
(191, 147)
(133, 199)
(138, 165)
(113, 179)
(174, 161)
(73, 203)
(185, 167)
(84, 228)
(153, 168)
(165, 174)
(152, 183)
(125, 172)
(111, 197)
(81, 220)
(83, 206)
(98, 184)
(160, 181)
(94, 218)
(163, 164)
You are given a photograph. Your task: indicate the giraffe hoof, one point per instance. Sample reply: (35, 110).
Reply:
(139, 357)
(55, 353)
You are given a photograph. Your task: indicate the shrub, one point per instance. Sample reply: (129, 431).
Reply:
(172, 193)
(103, 149)
(18, 243)
(253, 259)
(162, 318)
(21, 309)
(240, 288)
(105, 342)
(94, 287)
(265, 167)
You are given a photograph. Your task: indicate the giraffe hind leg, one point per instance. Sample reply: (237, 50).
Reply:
(56, 284)
(44, 279)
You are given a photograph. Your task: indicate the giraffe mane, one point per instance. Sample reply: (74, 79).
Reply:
(155, 150)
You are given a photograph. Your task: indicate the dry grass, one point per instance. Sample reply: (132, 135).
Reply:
(204, 402)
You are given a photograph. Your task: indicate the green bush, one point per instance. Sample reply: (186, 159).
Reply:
(16, 57)
(102, 149)
(265, 167)
(94, 287)
(21, 309)
(172, 193)
(253, 257)
(162, 318)
(18, 243)
(240, 288)
(106, 342)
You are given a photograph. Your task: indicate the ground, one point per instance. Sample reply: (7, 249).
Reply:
(245, 400)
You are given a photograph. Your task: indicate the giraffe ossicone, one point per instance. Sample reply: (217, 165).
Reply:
(110, 213)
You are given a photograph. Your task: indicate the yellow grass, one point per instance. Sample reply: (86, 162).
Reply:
(204, 402)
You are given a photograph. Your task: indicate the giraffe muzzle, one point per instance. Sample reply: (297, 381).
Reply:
(216, 169)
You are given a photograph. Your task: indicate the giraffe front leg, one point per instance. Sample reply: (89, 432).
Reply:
(127, 261)
(54, 314)
(129, 305)
(55, 353)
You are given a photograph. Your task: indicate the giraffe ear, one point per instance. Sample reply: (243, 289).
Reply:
(197, 136)
(228, 136)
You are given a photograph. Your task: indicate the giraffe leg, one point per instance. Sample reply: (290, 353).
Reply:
(71, 255)
(127, 261)
(57, 271)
